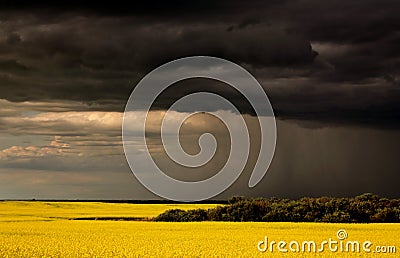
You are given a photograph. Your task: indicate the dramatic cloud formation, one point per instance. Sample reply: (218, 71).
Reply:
(330, 69)
(328, 59)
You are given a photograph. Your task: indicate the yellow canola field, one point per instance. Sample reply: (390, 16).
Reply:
(22, 210)
(60, 237)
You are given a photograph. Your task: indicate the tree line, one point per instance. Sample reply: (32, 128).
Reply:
(366, 208)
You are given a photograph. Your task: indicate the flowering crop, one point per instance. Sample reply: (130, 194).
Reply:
(52, 235)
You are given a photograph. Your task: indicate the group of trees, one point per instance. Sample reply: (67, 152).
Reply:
(364, 208)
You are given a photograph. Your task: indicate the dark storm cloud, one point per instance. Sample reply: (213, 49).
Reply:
(333, 62)
(92, 58)
(64, 65)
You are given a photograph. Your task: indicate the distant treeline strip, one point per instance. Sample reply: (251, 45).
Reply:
(366, 208)
(114, 218)
(119, 201)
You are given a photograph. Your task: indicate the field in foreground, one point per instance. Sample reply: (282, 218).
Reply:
(50, 233)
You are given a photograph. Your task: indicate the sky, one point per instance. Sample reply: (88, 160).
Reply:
(329, 68)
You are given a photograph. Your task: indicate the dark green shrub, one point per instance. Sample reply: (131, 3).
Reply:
(174, 215)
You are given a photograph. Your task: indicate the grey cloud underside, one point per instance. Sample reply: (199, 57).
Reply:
(333, 62)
